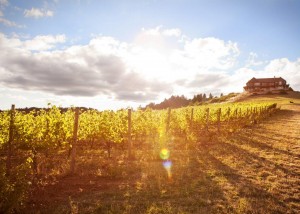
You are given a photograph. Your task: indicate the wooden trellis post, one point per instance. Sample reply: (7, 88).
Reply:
(207, 118)
(192, 117)
(10, 140)
(168, 121)
(219, 119)
(236, 113)
(228, 114)
(74, 142)
(129, 135)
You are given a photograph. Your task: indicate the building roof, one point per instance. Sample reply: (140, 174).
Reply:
(274, 79)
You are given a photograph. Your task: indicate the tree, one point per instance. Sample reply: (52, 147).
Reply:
(197, 98)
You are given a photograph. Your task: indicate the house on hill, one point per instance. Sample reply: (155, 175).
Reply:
(265, 85)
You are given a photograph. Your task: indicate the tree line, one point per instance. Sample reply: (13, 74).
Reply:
(182, 101)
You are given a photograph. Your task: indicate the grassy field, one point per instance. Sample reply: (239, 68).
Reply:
(254, 170)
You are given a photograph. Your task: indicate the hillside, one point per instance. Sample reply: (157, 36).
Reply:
(251, 166)
(254, 170)
(281, 99)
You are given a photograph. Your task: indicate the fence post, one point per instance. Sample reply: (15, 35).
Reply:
(10, 139)
(74, 141)
(189, 129)
(219, 119)
(168, 121)
(129, 135)
(228, 114)
(207, 118)
(192, 117)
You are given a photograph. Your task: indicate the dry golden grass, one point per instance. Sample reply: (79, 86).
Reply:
(255, 170)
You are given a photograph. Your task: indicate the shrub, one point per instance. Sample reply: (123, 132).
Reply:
(13, 189)
(283, 92)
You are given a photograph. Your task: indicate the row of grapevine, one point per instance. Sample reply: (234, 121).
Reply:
(51, 130)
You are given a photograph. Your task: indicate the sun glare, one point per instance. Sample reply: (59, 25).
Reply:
(164, 154)
(168, 165)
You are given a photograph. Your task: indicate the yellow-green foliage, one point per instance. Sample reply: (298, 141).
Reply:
(52, 129)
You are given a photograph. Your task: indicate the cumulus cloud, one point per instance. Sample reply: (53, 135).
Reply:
(160, 31)
(289, 70)
(9, 23)
(77, 71)
(38, 43)
(5, 21)
(210, 80)
(3, 3)
(285, 68)
(132, 71)
(126, 71)
(211, 53)
(253, 60)
(38, 13)
(44, 42)
(172, 32)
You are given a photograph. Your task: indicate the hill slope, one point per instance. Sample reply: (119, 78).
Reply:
(291, 96)
(255, 170)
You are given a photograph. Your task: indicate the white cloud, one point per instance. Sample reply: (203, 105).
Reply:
(136, 71)
(279, 65)
(283, 67)
(8, 43)
(161, 31)
(77, 71)
(39, 43)
(126, 71)
(205, 54)
(3, 2)
(172, 32)
(5, 21)
(156, 55)
(286, 69)
(253, 60)
(10, 23)
(152, 31)
(38, 13)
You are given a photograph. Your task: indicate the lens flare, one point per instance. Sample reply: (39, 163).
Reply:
(164, 154)
(168, 165)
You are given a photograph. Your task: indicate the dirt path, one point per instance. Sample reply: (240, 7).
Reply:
(264, 161)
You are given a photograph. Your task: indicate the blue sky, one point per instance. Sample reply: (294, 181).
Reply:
(218, 45)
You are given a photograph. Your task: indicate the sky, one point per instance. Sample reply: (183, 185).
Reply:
(112, 54)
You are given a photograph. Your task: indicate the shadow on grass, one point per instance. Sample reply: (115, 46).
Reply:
(256, 198)
(257, 140)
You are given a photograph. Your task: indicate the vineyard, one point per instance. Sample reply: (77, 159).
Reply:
(41, 145)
